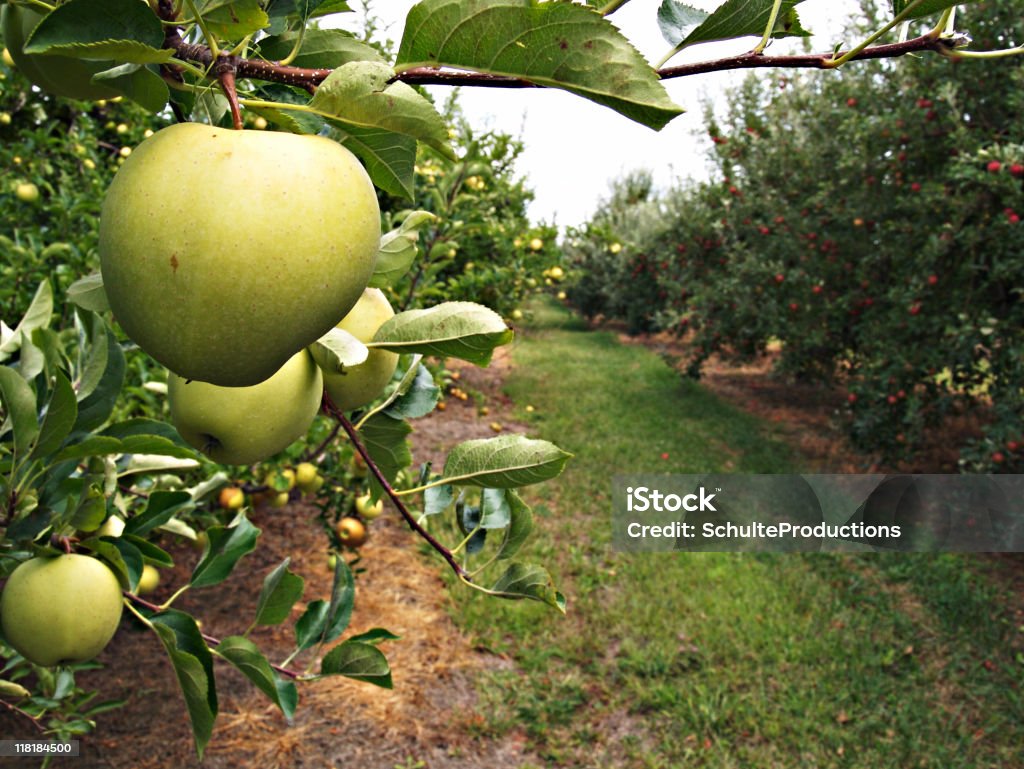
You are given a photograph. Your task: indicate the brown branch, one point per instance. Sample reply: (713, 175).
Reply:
(206, 636)
(311, 455)
(309, 79)
(334, 411)
(29, 716)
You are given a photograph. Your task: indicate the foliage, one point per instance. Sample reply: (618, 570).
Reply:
(870, 223)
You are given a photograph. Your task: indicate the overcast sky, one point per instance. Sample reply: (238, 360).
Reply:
(574, 148)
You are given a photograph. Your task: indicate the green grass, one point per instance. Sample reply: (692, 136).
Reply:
(724, 660)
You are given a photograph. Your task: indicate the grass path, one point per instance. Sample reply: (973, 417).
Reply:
(724, 660)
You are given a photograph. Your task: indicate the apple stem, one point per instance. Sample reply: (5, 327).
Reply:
(353, 435)
(225, 71)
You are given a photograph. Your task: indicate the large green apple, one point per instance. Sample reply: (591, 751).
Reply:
(243, 425)
(60, 610)
(59, 75)
(360, 384)
(225, 252)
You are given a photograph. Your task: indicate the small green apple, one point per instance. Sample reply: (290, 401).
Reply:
(226, 291)
(26, 192)
(366, 509)
(359, 385)
(60, 610)
(112, 527)
(243, 425)
(305, 473)
(60, 75)
(148, 581)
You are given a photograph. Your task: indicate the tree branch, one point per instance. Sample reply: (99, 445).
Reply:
(211, 641)
(350, 430)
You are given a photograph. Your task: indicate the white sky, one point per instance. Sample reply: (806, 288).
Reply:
(574, 148)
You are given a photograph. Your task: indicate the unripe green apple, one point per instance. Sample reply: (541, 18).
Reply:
(305, 473)
(112, 527)
(360, 384)
(59, 75)
(243, 425)
(60, 610)
(367, 510)
(148, 581)
(26, 192)
(227, 286)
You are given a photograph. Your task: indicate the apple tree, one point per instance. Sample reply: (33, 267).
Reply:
(199, 219)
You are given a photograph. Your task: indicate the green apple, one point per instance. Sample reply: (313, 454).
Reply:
(366, 509)
(59, 75)
(243, 425)
(361, 384)
(305, 473)
(61, 609)
(148, 581)
(112, 527)
(26, 192)
(269, 244)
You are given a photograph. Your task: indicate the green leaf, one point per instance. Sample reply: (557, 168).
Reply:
(921, 8)
(740, 18)
(100, 445)
(338, 613)
(122, 30)
(247, 658)
(361, 661)
(556, 44)
(161, 506)
(520, 526)
(385, 439)
(88, 293)
(529, 581)
(151, 553)
(19, 410)
(138, 83)
(193, 665)
(495, 509)
(374, 636)
(310, 626)
(227, 546)
(398, 249)
(337, 350)
(508, 461)
(390, 158)
(462, 330)
(677, 20)
(358, 94)
(281, 589)
(61, 412)
(437, 499)
(91, 511)
(37, 316)
(321, 49)
(96, 408)
(419, 397)
(235, 19)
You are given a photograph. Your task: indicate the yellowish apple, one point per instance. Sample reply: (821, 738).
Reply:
(369, 510)
(351, 531)
(26, 192)
(148, 581)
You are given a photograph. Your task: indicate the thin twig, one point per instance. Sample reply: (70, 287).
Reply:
(334, 411)
(211, 641)
(310, 455)
(16, 709)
